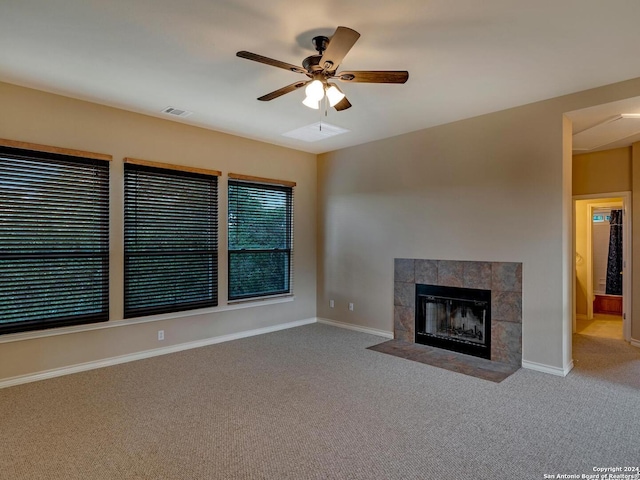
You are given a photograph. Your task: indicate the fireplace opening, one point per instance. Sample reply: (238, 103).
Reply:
(453, 318)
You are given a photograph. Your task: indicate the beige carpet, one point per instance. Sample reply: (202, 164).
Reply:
(314, 403)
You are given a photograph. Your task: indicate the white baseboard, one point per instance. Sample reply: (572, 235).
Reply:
(357, 328)
(540, 367)
(107, 362)
(635, 343)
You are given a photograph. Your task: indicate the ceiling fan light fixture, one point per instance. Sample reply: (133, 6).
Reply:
(322, 67)
(334, 95)
(311, 103)
(315, 90)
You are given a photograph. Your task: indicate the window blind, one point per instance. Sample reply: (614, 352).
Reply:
(54, 240)
(260, 228)
(170, 240)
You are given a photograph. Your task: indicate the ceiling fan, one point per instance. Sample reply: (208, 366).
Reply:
(321, 68)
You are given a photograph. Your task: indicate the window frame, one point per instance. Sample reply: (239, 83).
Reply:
(263, 184)
(175, 171)
(98, 172)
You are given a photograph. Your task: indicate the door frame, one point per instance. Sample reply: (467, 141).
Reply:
(598, 202)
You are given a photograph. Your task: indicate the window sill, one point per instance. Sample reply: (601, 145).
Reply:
(232, 305)
(274, 298)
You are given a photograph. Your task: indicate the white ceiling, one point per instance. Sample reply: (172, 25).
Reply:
(602, 127)
(464, 57)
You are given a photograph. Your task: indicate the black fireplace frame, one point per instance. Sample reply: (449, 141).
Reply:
(456, 345)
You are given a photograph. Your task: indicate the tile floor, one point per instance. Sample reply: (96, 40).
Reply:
(453, 361)
(604, 326)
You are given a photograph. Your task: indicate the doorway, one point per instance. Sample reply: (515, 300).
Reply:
(602, 293)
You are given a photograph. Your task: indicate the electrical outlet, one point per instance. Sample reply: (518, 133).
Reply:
(332, 303)
(160, 335)
(351, 307)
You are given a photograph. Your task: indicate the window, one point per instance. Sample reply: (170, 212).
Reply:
(170, 238)
(54, 239)
(602, 216)
(260, 237)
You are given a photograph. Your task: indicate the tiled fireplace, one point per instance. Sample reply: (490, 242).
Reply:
(502, 279)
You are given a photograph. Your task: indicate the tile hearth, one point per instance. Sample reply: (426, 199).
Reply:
(504, 279)
(452, 361)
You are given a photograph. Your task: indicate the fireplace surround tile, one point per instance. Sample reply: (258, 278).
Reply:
(506, 342)
(426, 272)
(506, 356)
(506, 306)
(404, 270)
(404, 318)
(404, 336)
(404, 294)
(450, 273)
(504, 279)
(506, 335)
(477, 275)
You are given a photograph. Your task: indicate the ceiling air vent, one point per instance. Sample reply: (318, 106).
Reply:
(176, 112)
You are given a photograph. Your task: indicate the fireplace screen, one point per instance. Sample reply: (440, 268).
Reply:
(457, 319)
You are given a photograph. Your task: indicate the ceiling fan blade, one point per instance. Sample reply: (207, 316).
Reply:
(385, 76)
(342, 104)
(338, 47)
(282, 91)
(270, 61)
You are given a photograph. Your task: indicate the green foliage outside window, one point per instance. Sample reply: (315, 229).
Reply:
(260, 238)
(54, 240)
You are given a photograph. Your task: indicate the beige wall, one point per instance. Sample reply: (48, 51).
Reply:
(38, 117)
(635, 229)
(602, 172)
(613, 171)
(605, 171)
(490, 188)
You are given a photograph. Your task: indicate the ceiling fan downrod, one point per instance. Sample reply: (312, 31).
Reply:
(320, 43)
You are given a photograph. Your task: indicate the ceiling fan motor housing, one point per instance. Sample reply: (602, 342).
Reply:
(312, 64)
